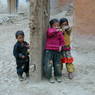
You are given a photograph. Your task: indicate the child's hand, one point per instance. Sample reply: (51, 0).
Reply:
(60, 48)
(23, 57)
(58, 29)
(30, 45)
(28, 51)
(27, 46)
(66, 28)
(51, 62)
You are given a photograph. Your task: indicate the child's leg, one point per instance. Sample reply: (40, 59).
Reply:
(26, 68)
(47, 64)
(69, 66)
(70, 69)
(63, 54)
(19, 69)
(57, 64)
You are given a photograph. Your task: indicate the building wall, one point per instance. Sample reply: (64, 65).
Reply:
(4, 6)
(57, 5)
(63, 2)
(85, 16)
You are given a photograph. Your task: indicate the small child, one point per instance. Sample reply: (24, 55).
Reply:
(54, 44)
(66, 52)
(21, 54)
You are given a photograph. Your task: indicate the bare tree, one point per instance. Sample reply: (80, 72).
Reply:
(39, 18)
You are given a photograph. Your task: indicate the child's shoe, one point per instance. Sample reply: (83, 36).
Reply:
(58, 79)
(20, 78)
(51, 80)
(27, 75)
(70, 75)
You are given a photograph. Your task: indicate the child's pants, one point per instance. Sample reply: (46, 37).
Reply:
(23, 66)
(69, 66)
(53, 56)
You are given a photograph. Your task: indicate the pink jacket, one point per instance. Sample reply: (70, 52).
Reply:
(54, 39)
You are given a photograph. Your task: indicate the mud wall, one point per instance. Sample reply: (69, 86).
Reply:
(85, 16)
(58, 5)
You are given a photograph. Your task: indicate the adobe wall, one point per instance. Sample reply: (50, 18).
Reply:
(85, 16)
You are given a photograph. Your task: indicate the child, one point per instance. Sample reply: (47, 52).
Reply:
(66, 52)
(21, 54)
(54, 44)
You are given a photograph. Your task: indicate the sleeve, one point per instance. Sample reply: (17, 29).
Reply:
(51, 32)
(16, 52)
(69, 31)
(61, 39)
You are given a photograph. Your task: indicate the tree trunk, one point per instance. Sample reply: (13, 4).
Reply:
(39, 18)
(12, 6)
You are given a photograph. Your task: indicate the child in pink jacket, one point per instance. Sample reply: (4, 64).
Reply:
(53, 47)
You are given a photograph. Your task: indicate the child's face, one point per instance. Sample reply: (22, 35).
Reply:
(64, 24)
(20, 38)
(55, 25)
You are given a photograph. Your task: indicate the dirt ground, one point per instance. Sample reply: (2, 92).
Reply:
(83, 51)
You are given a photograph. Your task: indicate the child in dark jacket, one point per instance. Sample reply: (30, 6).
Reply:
(54, 44)
(21, 54)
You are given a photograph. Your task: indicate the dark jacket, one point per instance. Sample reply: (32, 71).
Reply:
(21, 49)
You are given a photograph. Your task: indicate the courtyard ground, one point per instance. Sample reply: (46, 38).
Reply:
(83, 51)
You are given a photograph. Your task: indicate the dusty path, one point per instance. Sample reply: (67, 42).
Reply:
(82, 84)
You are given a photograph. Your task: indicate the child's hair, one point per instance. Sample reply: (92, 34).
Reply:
(19, 33)
(62, 20)
(53, 21)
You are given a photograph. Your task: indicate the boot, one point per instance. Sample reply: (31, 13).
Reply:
(70, 75)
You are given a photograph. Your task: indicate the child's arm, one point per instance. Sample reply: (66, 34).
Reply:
(16, 53)
(68, 31)
(51, 32)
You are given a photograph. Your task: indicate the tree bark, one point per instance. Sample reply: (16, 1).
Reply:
(12, 6)
(39, 18)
